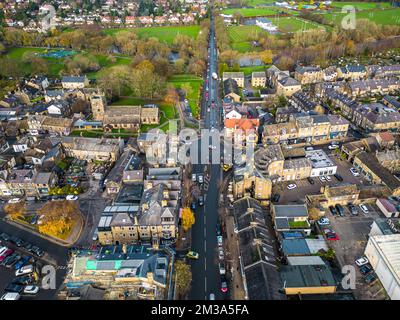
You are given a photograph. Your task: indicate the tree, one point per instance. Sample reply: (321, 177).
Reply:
(188, 218)
(187, 89)
(266, 56)
(171, 96)
(350, 48)
(183, 278)
(15, 210)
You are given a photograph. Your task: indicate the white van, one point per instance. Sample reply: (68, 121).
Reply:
(10, 296)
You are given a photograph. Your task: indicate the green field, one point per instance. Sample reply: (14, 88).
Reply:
(249, 70)
(386, 17)
(241, 36)
(362, 5)
(252, 12)
(165, 34)
(293, 24)
(194, 95)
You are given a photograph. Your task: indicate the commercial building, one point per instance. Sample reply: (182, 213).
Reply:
(321, 164)
(383, 253)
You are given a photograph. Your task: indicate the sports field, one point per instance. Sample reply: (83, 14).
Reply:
(293, 24)
(362, 5)
(165, 34)
(386, 17)
(241, 36)
(252, 12)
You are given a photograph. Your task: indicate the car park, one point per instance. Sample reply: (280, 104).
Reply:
(292, 186)
(361, 261)
(323, 221)
(364, 208)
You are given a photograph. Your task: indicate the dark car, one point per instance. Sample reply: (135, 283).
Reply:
(19, 242)
(193, 206)
(7, 259)
(14, 288)
(218, 229)
(12, 261)
(201, 200)
(365, 269)
(23, 280)
(310, 180)
(338, 177)
(4, 236)
(353, 209)
(333, 210)
(340, 209)
(276, 198)
(23, 261)
(370, 278)
(28, 246)
(13, 239)
(37, 251)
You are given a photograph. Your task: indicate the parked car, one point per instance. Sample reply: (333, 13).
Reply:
(12, 261)
(71, 197)
(333, 146)
(365, 269)
(333, 210)
(23, 261)
(323, 221)
(354, 172)
(28, 246)
(364, 208)
(340, 209)
(200, 200)
(192, 255)
(24, 270)
(31, 289)
(5, 253)
(338, 177)
(14, 288)
(10, 296)
(353, 209)
(222, 270)
(276, 197)
(224, 285)
(309, 148)
(19, 242)
(4, 236)
(328, 178)
(194, 177)
(221, 254)
(14, 200)
(37, 251)
(361, 261)
(322, 179)
(212, 296)
(292, 186)
(219, 240)
(310, 180)
(200, 178)
(23, 280)
(333, 236)
(193, 205)
(370, 278)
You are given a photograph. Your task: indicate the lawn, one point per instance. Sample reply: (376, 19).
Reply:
(166, 34)
(293, 24)
(386, 17)
(249, 70)
(252, 12)
(256, 3)
(362, 5)
(193, 96)
(241, 36)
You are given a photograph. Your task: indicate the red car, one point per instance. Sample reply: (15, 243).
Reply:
(5, 253)
(332, 236)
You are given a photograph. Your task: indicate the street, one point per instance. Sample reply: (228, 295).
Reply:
(206, 278)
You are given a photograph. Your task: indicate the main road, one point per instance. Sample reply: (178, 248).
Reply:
(206, 278)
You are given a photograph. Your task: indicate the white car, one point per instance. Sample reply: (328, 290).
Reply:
(10, 296)
(24, 270)
(364, 208)
(354, 172)
(322, 178)
(212, 296)
(31, 289)
(219, 239)
(292, 186)
(333, 147)
(14, 200)
(323, 221)
(220, 254)
(361, 261)
(328, 178)
(72, 197)
(309, 149)
(213, 147)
